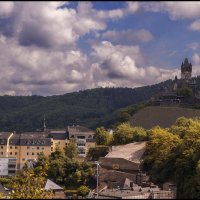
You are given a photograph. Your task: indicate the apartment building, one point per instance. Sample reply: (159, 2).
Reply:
(26, 146)
(84, 138)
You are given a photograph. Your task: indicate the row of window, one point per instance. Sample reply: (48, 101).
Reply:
(36, 148)
(12, 147)
(11, 153)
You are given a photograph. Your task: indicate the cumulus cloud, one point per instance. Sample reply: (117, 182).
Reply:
(31, 70)
(193, 45)
(39, 52)
(176, 10)
(6, 8)
(195, 26)
(128, 36)
(120, 65)
(44, 24)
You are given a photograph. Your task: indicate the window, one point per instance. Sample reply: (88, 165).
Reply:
(23, 159)
(11, 166)
(15, 153)
(28, 147)
(51, 148)
(1, 147)
(51, 143)
(81, 151)
(37, 153)
(11, 171)
(1, 153)
(15, 147)
(33, 154)
(38, 147)
(81, 144)
(10, 153)
(10, 147)
(27, 153)
(42, 148)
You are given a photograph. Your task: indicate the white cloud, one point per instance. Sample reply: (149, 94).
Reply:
(120, 65)
(176, 10)
(33, 70)
(6, 8)
(193, 45)
(128, 36)
(195, 26)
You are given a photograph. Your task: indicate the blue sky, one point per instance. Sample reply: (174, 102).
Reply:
(49, 48)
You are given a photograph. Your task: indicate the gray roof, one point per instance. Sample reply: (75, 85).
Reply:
(50, 185)
(3, 137)
(58, 134)
(78, 129)
(3, 190)
(136, 191)
(132, 152)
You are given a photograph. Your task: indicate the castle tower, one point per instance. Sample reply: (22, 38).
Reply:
(186, 70)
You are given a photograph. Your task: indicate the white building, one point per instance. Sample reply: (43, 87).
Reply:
(7, 166)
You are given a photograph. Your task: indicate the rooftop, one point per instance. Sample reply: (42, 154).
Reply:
(51, 185)
(78, 128)
(136, 191)
(132, 152)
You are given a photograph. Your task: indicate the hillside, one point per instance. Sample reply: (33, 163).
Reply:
(90, 108)
(162, 116)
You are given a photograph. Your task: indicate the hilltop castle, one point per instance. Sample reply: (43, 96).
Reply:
(179, 91)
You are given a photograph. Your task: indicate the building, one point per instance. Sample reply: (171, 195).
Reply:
(58, 192)
(171, 94)
(84, 138)
(136, 192)
(126, 158)
(8, 166)
(26, 146)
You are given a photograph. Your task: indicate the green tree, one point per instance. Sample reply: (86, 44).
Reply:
(71, 150)
(56, 168)
(95, 152)
(102, 137)
(83, 190)
(184, 92)
(125, 133)
(160, 149)
(29, 185)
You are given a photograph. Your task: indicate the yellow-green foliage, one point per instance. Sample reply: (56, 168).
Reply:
(173, 154)
(125, 133)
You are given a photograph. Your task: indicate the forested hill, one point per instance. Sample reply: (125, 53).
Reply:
(90, 108)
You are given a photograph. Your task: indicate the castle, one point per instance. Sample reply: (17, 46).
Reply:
(179, 91)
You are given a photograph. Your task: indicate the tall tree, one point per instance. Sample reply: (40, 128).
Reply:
(71, 150)
(102, 137)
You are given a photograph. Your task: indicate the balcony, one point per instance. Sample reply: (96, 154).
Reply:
(80, 140)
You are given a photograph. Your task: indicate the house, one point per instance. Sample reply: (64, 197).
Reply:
(58, 192)
(27, 146)
(84, 138)
(127, 158)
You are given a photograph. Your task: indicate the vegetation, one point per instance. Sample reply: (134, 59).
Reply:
(184, 92)
(102, 137)
(29, 183)
(95, 152)
(91, 108)
(173, 154)
(125, 133)
(66, 172)
(71, 150)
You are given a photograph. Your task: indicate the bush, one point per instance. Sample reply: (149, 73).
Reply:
(83, 191)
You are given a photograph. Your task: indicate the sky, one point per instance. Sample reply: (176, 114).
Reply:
(51, 48)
